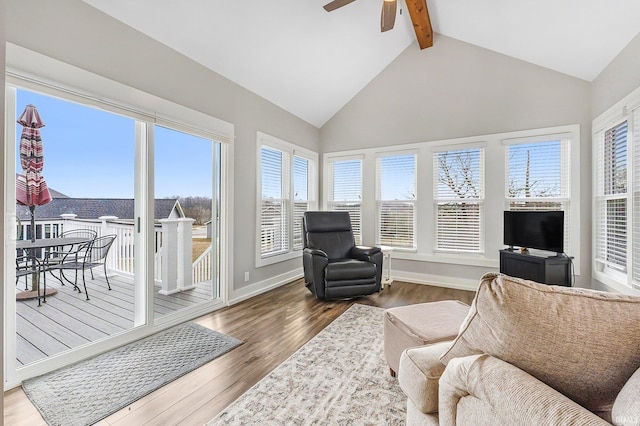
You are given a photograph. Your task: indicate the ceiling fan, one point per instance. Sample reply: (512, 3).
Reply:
(417, 10)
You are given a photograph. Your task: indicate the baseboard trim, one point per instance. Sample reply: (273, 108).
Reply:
(264, 286)
(437, 280)
(255, 289)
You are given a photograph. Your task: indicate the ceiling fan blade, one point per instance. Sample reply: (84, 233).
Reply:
(421, 22)
(335, 4)
(388, 17)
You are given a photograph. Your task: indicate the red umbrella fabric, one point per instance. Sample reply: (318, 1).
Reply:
(31, 188)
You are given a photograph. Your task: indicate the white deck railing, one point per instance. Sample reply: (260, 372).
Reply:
(202, 269)
(122, 254)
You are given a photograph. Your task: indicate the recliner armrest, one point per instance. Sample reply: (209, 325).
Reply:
(315, 252)
(364, 252)
(370, 254)
(314, 262)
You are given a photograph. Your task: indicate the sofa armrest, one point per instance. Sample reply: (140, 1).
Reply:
(626, 408)
(515, 397)
(420, 370)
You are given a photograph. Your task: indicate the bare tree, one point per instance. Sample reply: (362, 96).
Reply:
(528, 187)
(457, 173)
(197, 208)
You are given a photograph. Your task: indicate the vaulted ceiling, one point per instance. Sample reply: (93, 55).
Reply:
(311, 62)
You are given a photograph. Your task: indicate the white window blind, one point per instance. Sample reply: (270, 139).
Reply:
(537, 176)
(345, 192)
(396, 203)
(274, 207)
(611, 198)
(458, 198)
(301, 202)
(635, 279)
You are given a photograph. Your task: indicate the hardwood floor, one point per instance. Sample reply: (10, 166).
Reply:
(273, 326)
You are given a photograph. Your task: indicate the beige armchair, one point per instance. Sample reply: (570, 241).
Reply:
(530, 354)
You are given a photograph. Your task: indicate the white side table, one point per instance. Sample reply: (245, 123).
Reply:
(386, 269)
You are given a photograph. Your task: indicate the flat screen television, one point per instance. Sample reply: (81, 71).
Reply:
(542, 230)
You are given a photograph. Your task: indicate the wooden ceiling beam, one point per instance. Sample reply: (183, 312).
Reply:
(421, 22)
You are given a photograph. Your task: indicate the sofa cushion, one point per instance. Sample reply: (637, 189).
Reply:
(626, 408)
(583, 343)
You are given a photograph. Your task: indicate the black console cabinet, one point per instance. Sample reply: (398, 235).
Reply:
(547, 270)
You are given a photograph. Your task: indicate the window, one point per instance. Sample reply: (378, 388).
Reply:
(345, 191)
(635, 203)
(287, 181)
(611, 199)
(458, 198)
(396, 201)
(274, 208)
(537, 176)
(301, 202)
(616, 195)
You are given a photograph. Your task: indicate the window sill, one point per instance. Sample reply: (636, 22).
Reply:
(615, 283)
(462, 259)
(260, 261)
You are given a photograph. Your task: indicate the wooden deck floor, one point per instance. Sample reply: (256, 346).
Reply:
(68, 320)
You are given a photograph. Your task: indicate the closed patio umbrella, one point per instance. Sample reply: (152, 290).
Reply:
(31, 188)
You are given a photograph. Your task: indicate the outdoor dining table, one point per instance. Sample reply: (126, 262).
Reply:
(42, 243)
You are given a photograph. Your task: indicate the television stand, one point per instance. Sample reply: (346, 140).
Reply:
(554, 270)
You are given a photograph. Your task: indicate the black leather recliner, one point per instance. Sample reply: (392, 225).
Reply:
(334, 267)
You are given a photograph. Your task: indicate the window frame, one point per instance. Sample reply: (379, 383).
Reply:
(627, 109)
(380, 201)
(565, 198)
(290, 151)
(309, 200)
(615, 276)
(479, 201)
(328, 185)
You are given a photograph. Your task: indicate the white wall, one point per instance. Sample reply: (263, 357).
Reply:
(455, 90)
(75, 33)
(617, 80)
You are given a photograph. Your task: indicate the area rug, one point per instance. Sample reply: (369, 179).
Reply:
(340, 377)
(89, 391)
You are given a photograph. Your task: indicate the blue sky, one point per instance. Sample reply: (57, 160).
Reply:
(89, 153)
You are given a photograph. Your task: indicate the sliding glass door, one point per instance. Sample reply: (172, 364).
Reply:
(143, 192)
(84, 190)
(187, 188)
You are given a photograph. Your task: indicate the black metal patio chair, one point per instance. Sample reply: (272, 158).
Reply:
(57, 254)
(30, 265)
(85, 256)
